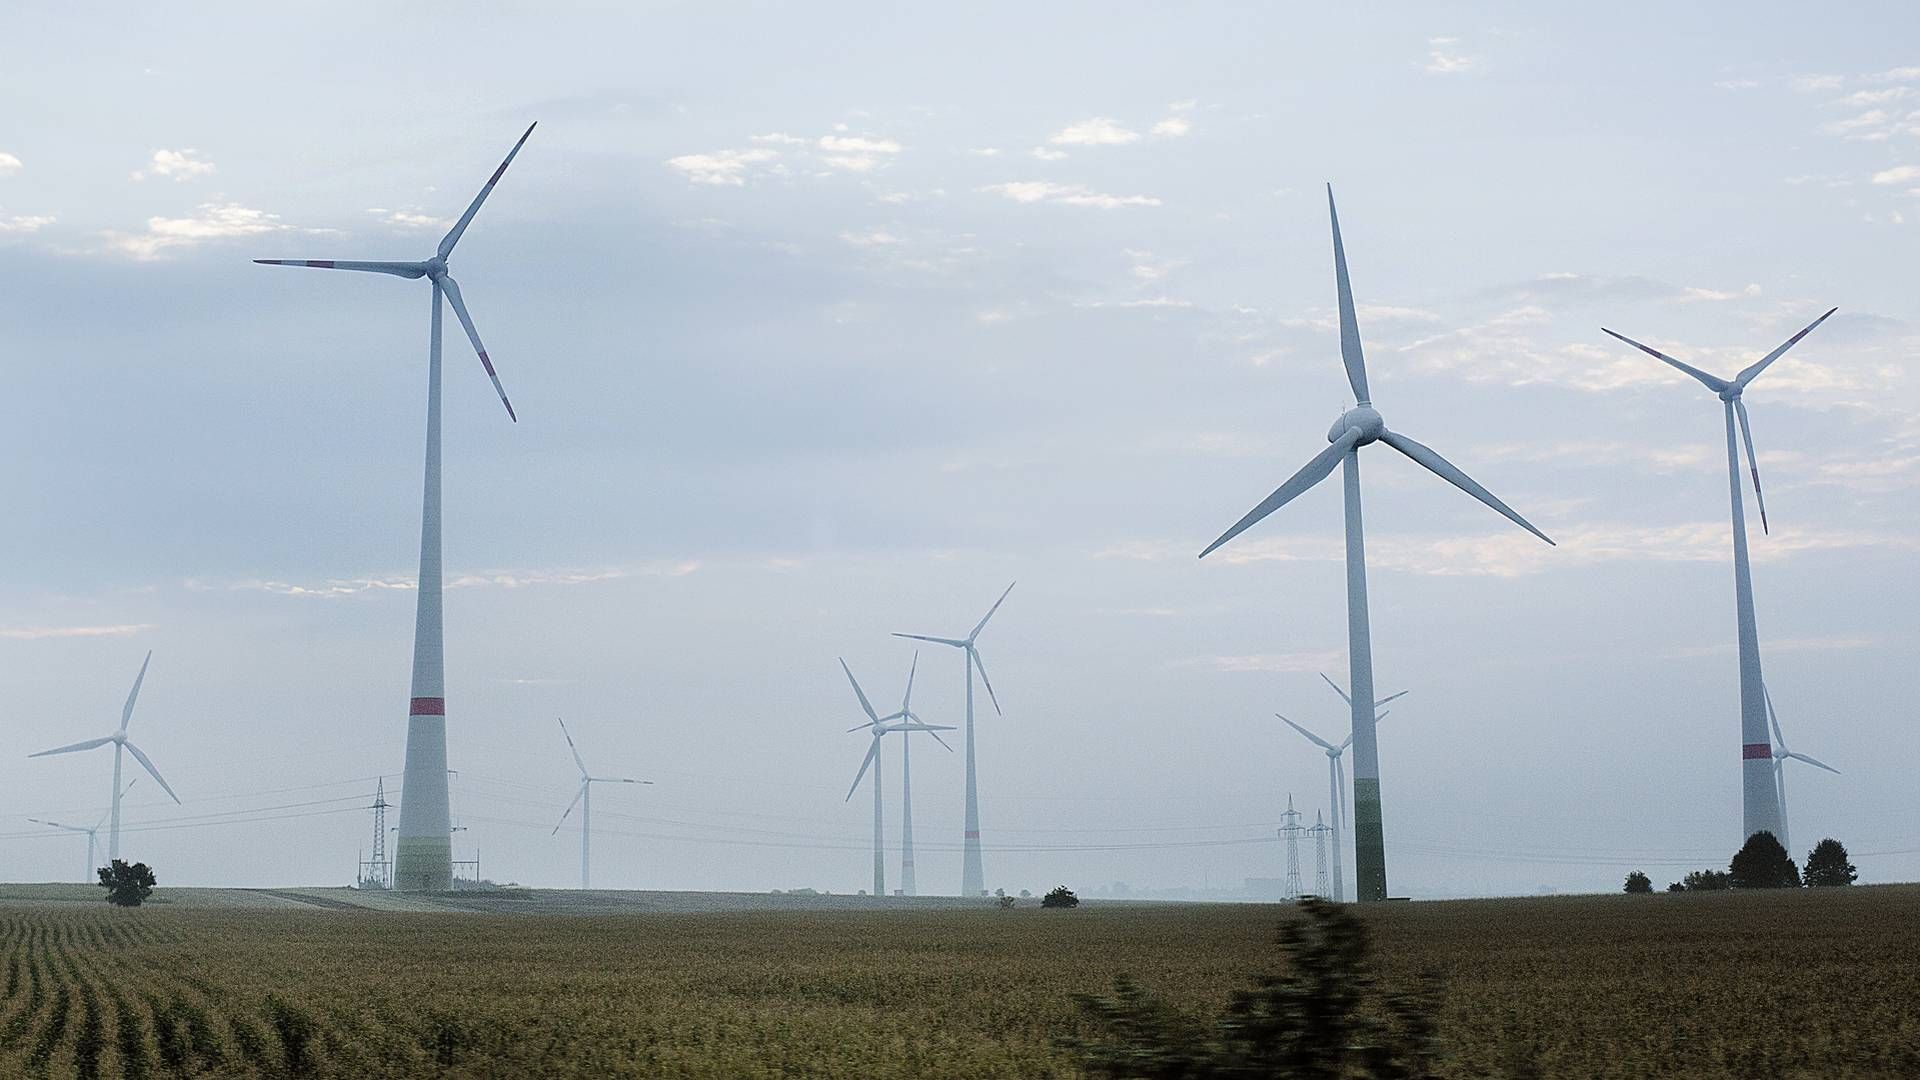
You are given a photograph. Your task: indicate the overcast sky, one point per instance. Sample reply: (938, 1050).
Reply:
(827, 323)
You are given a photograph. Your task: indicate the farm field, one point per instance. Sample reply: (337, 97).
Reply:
(311, 983)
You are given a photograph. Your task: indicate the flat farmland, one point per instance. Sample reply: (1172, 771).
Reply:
(332, 983)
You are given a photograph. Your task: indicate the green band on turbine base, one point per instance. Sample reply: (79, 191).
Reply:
(1369, 841)
(423, 864)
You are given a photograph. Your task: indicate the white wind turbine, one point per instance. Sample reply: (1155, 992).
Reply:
(90, 830)
(120, 742)
(973, 876)
(1358, 427)
(1337, 779)
(424, 859)
(583, 798)
(908, 723)
(876, 726)
(1780, 756)
(1760, 804)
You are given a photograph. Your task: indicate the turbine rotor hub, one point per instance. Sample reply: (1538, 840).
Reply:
(437, 267)
(1362, 418)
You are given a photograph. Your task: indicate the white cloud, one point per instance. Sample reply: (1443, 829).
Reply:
(985, 151)
(778, 139)
(25, 223)
(1442, 60)
(1899, 74)
(1037, 191)
(1693, 293)
(1324, 660)
(1098, 131)
(1173, 127)
(1807, 84)
(873, 238)
(1045, 154)
(9, 165)
(1863, 98)
(175, 165)
(855, 144)
(1737, 84)
(212, 221)
(41, 633)
(1899, 174)
(723, 168)
(408, 219)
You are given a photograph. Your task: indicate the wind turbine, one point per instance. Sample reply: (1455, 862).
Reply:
(90, 830)
(583, 798)
(973, 878)
(1337, 780)
(1358, 427)
(1780, 756)
(120, 742)
(906, 725)
(423, 860)
(1760, 805)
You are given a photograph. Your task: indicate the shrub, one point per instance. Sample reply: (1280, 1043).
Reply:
(1325, 1015)
(1827, 864)
(127, 885)
(1762, 863)
(1706, 880)
(1675, 886)
(1638, 882)
(1061, 897)
(1005, 902)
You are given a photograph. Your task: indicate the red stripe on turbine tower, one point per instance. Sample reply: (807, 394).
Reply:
(973, 834)
(1756, 750)
(427, 706)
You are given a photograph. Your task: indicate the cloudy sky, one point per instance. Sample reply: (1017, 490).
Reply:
(823, 324)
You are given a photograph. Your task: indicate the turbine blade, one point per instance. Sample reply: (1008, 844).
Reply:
(1318, 741)
(955, 642)
(1712, 382)
(988, 683)
(1336, 689)
(459, 227)
(861, 694)
(1447, 471)
(1348, 741)
(1779, 740)
(573, 748)
(1350, 353)
(397, 269)
(982, 624)
(88, 745)
(1310, 474)
(873, 751)
(1816, 763)
(126, 711)
(576, 802)
(1753, 370)
(1753, 463)
(938, 739)
(147, 764)
(1391, 697)
(460, 309)
(906, 700)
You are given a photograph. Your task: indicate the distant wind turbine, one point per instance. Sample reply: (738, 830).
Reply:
(583, 798)
(120, 742)
(1337, 781)
(973, 878)
(1780, 756)
(1358, 427)
(86, 876)
(424, 859)
(906, 725)
(1760, 804)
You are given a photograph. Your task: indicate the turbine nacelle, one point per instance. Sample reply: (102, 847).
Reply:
(1364, 419)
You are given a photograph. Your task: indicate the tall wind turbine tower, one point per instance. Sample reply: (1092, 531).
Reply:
(583, 798)
(973, 878)
(1780, 756)
(424, 859)
(120, 742)
(1760, 805)
(1356, 428)
(907, 725)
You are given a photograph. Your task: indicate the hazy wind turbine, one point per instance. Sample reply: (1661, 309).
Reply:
(973, 878)
(1780, 756)
(90, 830)
(120, 742)
(423, 860)
(1760, 804)
(1357, 427)
(906, 725)
(583, 798)
(1337, 781)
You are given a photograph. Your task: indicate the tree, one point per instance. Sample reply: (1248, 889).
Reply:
(1638, 882)
(1827, 864)
(1061, 896)
(1705, 881)
(127, 885)
(1762, 863)
(1675, 886)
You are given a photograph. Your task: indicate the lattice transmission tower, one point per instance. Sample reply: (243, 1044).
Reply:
(1319, 833)
(1291, 833)
(377, 872)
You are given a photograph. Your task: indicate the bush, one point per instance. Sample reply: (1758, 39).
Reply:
(1638, 882)
(1706, 881)
(1827, 864)
(1005, 902)
(1762, 863)
(127, 885)
(1061, 897)
(1675, 886)
(1325, 1015)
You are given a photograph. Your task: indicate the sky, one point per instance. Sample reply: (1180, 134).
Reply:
(826, 322)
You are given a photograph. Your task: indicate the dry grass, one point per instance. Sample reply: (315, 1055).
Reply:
(1804, 983)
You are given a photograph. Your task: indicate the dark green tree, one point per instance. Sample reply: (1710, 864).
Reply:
(1061, 896)
(1675, 886)
(1827, 864)
(1762, 863)
(1705, 881)
(127, 885)
(1639, 882)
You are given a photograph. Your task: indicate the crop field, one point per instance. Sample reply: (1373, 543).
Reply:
(1808, 983)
